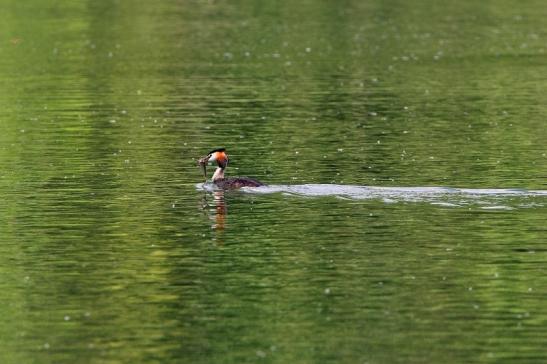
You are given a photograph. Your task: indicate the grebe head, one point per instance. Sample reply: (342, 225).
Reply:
(216, 155)
(219, 156)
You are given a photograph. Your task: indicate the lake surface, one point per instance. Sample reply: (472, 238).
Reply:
(404, 148)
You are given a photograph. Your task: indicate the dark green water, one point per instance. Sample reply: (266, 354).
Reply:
(110, 253)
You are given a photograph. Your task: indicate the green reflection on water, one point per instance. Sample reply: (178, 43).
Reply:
(111, 254)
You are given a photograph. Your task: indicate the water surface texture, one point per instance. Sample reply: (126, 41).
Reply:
(404, 148)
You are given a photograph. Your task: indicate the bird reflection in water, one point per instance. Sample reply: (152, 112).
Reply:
(216, 209)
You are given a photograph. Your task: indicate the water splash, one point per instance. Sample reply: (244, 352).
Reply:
(487, 198)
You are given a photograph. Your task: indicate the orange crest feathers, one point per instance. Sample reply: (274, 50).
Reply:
(221, 156)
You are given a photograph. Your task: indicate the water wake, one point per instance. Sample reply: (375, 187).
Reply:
(445, 196)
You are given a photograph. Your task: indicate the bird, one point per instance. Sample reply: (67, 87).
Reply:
(226, 183)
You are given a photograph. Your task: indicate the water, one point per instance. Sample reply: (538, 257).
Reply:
(404, 150)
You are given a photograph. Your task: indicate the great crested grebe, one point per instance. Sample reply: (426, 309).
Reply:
(220, 156)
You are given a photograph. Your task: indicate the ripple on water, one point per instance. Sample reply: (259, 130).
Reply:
(489, 199)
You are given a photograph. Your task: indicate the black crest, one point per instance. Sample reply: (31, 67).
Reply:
(217, 150)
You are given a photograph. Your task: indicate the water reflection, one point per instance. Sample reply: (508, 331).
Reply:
(216, 209)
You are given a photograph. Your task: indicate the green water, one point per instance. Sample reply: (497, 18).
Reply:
(110, 253)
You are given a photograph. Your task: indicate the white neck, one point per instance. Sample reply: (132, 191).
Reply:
(219, 174)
